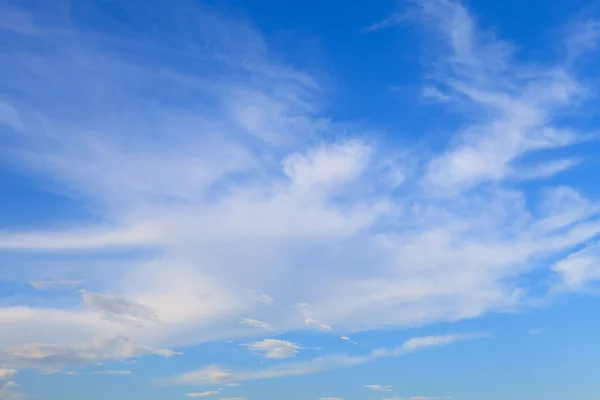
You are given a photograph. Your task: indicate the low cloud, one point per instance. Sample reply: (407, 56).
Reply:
(256, 323)
(204, 394)
(380, 388)
(56, 371)
(118, 309)
(45, 356)
(262, 297)
(111, 372)
(7, 373)
(216, 375)
(274, 348)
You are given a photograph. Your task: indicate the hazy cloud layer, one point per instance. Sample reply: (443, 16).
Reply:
(213, 170)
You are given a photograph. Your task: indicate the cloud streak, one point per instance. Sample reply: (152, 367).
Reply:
(273, 348)
(215, 375)
(229, 176)
(44, 356)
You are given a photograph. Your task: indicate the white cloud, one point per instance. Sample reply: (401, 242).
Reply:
(54, 284)
(392, 20)
(7, 373)
(380, 388)
(233, 398)
(419, 343)
(117, 309)
(41, 356)
(249, 185)
(481, 71)
(582, 38)
(204, 394)
(347, 339)
(274, 348)
(306, 311)
(579, 268)
(535, 332)
(56, 371)
(331, 398)
(262, 297)
(216, 375)
(112, 372)
(547, 170)
(255, 323)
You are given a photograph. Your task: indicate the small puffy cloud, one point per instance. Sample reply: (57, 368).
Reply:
(112, 372)
(347, 339)
(262, 297)
(7, 373)
(233, 384)
(255, 323)
(55, 284)
(118, 309)
(380, 388)
(331, 398)
(208, 375)
(317, 324)
(204, 394)
(274, 348)
(233, 398)
(42, 355)
(535, 332)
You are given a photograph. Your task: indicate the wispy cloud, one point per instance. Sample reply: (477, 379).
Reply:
(50, 372)
(262, 297)
(229, 176)
(112, 372)
(215, 375)
(306, 311)
(380, 388)
(44, 356)
(117, 309)
(273, 348)
(347, 339)
(204, 394)
(7, 373)
(578, 269)
(54, 284)
(255, 323)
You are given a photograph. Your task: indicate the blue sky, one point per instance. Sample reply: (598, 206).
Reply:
(314, 200)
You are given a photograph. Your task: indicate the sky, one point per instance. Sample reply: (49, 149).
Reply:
(259, 200)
